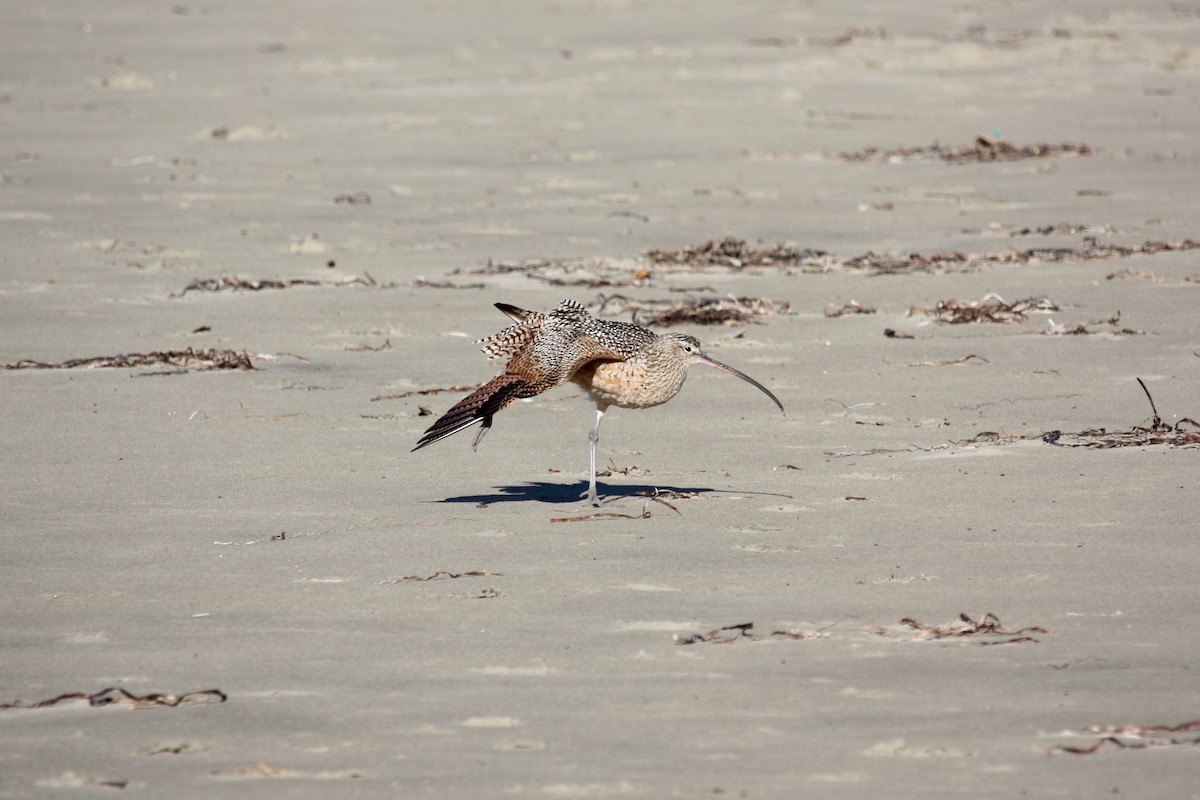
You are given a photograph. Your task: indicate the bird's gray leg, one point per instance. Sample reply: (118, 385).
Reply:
(593, 438)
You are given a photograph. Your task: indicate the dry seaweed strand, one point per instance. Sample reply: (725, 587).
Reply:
(962, 628)
(953, 362)
(832, 311)
(444, 575)
(735, 254)
(1150, 276)
(604, 515)
(742, 632)
(989, 308)
(115, 694)
(436, 390)
(1160, 736)
(192, 359)
(983, 149)
(1184, 433)
(239, 283)
(954, 261)
(695, 311)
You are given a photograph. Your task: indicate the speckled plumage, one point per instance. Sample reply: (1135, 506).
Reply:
(617, 363)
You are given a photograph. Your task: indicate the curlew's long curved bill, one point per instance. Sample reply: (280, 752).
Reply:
(712, 362)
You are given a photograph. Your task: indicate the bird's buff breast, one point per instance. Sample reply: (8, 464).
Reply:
(629, 385)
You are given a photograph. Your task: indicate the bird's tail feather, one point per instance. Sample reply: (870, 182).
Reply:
(479, 406)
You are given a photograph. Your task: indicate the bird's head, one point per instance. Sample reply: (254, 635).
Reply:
(684, 350)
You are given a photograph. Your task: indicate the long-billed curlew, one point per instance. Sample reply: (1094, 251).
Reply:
(619, 364)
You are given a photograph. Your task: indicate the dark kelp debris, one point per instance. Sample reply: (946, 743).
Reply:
(112, 695)
(987, 631)
(696, 311)
(989, 308)
(741, 633)
(1136, 737)
(189, 359)
(1184, 433)
(983, 149)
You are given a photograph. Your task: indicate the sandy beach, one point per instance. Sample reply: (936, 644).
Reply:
(963, 564)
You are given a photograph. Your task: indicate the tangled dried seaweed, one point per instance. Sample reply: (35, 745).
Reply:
(1082, 329)
(443, 575)
(115, 694)
(742, 633)
(239, 283)
(983, 149)
(987, 631)
(964, 262)
(189, 359)
(832, 311)
(734, 254)
(604, 515)
(1150, 276)
(990, 308)
(737, 255)
(589, 274)
(952, 362)
(1184, 433)
(696, 311)
(1136, 737)
(467, 387)
(1063, 228)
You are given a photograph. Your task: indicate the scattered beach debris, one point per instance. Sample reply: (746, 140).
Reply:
(738, 633)
(1064, 228)
(983, 149)
(1134, 737)
(367, 348)
(605, 515)
(189, 359)
(1184, 433)
(892, 333)
(658, 496)
(468, 387)
(613, 469)
(115, 694)
(239, 283)
(990, 308)
(1082, 329)
(832, 311)
(443, 575)
(1150, 276)
(586, 273)
(733, 254)
(953, 362)
(353, 199)
(786, 259)
(696, 311)
(954, 261)
(987, 631)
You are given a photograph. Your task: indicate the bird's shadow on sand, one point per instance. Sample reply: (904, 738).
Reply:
(543, 492)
